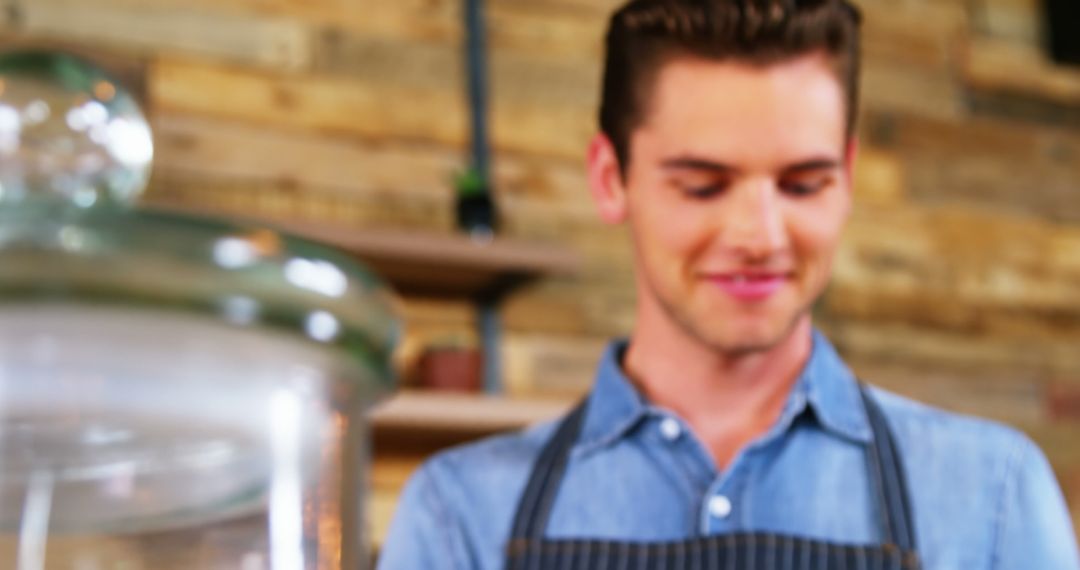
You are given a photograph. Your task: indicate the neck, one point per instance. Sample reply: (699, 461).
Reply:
(728, 399)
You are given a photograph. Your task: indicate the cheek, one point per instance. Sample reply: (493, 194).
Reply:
(669, 226)
(815, 233)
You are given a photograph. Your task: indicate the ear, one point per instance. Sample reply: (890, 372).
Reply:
(605, 180)
(850, 152)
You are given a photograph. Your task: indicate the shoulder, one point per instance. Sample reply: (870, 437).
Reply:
(959, 469)
(479, 483)
(457, 508)
(940, 431)
(487, 475)
(984, 484)
(969, 457)
(493, 458)
(956, 458)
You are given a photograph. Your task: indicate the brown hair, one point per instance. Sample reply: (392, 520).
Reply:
(645, 34)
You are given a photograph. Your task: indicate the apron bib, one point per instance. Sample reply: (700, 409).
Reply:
(529, 550)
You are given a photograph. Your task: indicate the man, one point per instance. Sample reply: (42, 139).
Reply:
(727, 433)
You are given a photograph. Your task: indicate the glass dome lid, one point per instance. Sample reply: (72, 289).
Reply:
(75, 152)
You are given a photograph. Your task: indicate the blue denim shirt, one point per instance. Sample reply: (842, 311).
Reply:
(983, 495)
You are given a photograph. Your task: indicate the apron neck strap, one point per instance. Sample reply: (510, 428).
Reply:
(887, 475)
(886, 472)
(534, 508)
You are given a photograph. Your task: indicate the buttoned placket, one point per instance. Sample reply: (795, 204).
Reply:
(722, 504)
(721, 495)
(679, 451)
(718, 492)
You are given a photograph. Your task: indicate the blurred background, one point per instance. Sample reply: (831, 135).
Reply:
(958, 283)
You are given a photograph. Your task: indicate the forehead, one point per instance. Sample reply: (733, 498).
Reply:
(744, 112)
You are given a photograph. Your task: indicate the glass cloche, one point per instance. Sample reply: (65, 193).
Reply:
(175, 393)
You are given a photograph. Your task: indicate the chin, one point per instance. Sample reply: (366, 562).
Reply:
(749, 337)
(746, 344)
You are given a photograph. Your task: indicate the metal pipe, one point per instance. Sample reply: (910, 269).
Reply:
(476, 70)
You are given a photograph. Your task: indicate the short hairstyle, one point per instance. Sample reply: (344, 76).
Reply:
(643, 35)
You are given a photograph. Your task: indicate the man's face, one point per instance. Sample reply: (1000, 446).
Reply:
(736, 195)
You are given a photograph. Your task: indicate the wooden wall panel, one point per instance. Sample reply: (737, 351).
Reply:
(958, 269)
(1011, 67)
(539, 197)
(594, 9)
(319, 103)
(527, 27)
(984, 163)
(399, 61)
(264, 154)
(899, 87)
(265, 42)
(566, 364)
(348, 14)
(597, 305)
(926, 345)
(1011, 394)
(1016, 20)
(8, 15)
(284, 200)
(924, 34)
(343, 105)
(880, 178)
(561, 28)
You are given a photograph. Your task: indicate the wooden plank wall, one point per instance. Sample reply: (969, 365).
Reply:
(959, 282)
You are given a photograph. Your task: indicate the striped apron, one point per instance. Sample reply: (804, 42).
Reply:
(529, 550)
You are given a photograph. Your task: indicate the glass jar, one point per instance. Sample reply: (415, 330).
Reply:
(175, 393)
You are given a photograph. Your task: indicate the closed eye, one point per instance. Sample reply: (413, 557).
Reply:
(704, 191)
(809, 178)
(698, 178)
(805, 187)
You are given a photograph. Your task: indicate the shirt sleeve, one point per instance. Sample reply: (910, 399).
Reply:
(423, 532)
(1034, 526)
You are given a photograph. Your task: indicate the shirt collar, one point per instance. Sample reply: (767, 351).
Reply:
(834, 393)
(826, 385)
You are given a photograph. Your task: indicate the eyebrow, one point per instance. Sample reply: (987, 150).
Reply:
(812, 165)
(692, 163)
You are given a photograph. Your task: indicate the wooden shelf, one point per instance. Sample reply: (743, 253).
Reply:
(423, 422)
(425, 263)
(466, 413)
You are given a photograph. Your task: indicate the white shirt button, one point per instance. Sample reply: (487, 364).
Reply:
(670, 429)
(720, 506)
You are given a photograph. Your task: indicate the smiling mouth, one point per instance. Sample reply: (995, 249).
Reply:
(750, 286)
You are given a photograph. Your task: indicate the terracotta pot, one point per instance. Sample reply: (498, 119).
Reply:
(456, 369)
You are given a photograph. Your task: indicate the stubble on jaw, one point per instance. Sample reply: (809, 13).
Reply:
(730, 350)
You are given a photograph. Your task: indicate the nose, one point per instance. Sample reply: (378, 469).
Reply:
(754, 224)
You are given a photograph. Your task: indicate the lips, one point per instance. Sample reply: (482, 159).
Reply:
(750, 286)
